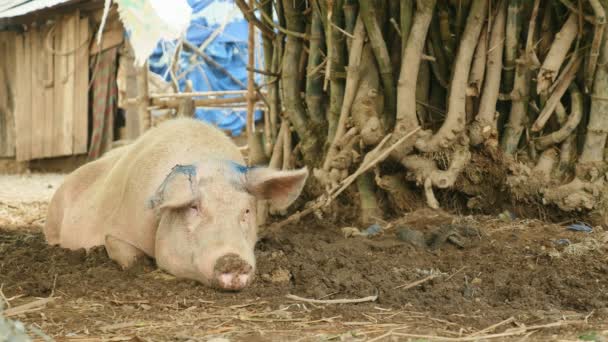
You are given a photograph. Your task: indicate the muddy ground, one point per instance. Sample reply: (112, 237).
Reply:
(532, 280)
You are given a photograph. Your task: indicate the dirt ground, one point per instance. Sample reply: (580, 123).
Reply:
(434, 274)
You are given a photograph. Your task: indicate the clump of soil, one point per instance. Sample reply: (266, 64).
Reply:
(525, 269)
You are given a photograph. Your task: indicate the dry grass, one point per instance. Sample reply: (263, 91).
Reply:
(282, 319)
(255, 322)
(24, 199)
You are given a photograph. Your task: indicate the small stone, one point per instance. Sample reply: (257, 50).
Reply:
(280, 275)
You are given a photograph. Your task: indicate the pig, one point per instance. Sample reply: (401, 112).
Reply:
(181, 194)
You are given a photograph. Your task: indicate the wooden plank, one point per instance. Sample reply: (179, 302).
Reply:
(22, 97)
(64, 85)
(10, 91)
(81, 89)
(109, 40)
(4, 97)
(59, 71)
(126, 60)
(48, 93)
(37, 100)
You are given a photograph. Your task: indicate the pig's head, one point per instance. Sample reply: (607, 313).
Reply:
(207, 219)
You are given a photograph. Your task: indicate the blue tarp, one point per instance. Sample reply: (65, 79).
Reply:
(228, 49)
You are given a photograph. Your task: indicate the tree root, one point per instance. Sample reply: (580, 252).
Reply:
(425, 171)
(519, 110)
(368, 103)
(380, 50)
(401, 198)
(512, 33)
(454, 122)
(560, 89)
(598, 32)
(484, 127)
(336, 59)
(370, 210)
(406, 88)
(576, 195)
(344, 158)
(587, 189)
(290, 79)
(314, 79)
(478, 68)
(352, 84)
(527, 184)
(569, 126)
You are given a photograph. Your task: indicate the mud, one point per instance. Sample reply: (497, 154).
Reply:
(523, 269)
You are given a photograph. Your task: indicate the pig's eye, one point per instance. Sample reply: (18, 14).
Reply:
(193, 209)
(247, 211)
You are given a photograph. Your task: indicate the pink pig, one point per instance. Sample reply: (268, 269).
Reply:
(180, 194)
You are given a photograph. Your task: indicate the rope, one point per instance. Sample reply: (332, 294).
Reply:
(50, 49)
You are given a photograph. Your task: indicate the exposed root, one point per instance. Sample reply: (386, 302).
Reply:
(425, 171)
(598, 32)
(585, 191)
(352, 84)
(378, 44)
(454, 122)
(556, 95)
(406, 88)
(519, 110)
(576, 195)
(401, 198)
(368, 102)
(512, 33)
(370, 210)
(342, 161)
(569, 126)
(484, 126)
(290, 78)
(527, 184)
(478, 68)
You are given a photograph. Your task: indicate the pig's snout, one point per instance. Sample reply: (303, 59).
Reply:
(232, 272)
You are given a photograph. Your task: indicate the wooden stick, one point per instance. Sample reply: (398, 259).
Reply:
(27, 307)
(4, 297)
(143, 99)
(325, 199)
(555, 97)
(518, 331)
(366, 165)
(414, 284)
(250, 16)
(493, 326)
(192, 94)
(174, 103)
(250, 75)
(333, 301)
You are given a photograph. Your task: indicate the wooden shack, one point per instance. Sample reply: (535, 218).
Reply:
(50, 103)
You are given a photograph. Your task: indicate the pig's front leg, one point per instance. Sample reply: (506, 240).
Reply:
(124, 253)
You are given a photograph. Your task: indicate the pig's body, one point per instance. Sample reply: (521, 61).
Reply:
(110, 202)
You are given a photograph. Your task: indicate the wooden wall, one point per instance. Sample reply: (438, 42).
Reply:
(7, 83)
(51, 89)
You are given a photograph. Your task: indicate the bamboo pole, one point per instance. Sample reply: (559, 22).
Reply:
(256, 150)
(143, 99)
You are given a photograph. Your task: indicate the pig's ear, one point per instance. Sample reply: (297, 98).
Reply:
(281, 188)
(177, 190)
